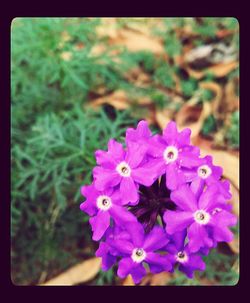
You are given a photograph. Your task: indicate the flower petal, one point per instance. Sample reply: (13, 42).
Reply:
(125, 267)
(183, 137)
(159, 260)
(188, 159)
(170, 133)
(99, 224)
(172, 176)
(122, 245)
(135, 153)
(177, 220)
(138, 272)
(108, 260)
(184, 198)
(198, 237)
(121, 215)
(105, 178)
(156, 239)
(128, 190)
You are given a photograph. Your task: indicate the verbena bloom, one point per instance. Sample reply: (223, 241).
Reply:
(179, 253)
(155, 202)
(206, 218)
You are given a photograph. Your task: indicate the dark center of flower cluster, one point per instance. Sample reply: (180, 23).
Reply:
(153, 202)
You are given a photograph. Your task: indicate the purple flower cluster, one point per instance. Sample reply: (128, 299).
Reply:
(156, 202)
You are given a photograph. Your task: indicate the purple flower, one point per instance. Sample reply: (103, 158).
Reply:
(206, 174)
(124, 169)
(101, 206)
(206, 218)
(179, 253)
(108, 253)
(172, 153)
(139, 249)
(140, 135)
(155, 202)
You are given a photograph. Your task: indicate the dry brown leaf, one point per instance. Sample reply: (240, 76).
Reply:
(162, 117)
(137, 42)
(66, 56)
(197, 115)
(160, 279)
(219, 70)
(235, 200)
(128, 281)
(79, 273)
(217, 90)
(235, 245)
(118, 100)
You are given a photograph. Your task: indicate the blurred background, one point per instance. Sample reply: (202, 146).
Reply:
(76, 83)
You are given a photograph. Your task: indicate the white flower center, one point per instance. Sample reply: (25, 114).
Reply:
(201, 217)
(138, 255)
(103, 202)
(123, 169)
(170, 154)
(181, 257)
(204, 171)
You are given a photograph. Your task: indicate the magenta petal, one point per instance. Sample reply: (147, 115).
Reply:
(223, 218)
(156, 239)
(157, 259)
(89, 207)
(209, 197)
(136, 232)
(196, 262)
(128, 190)
(183, 137)
(122, 245)
(170, 133)
(105, 178)
(197, 186)
(116, 150)
(198, 237)
(144, 175)
(177, 220)
(172, 176)
(105, 159)
(125, 267)
(137, 273)
(141, 132)
(184, 198)
(135, 154)
(222, 234)
(99, 224)
(189, 160)
(121, 215)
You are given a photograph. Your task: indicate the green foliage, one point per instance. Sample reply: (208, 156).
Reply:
(233, 131)
(164, 75)
(209, 125)
(48, 170)
(189, 86)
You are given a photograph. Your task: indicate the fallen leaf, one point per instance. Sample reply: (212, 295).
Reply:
(218, 70)
(128, 281)
(162, 117)
(135, 42)
(160, 279)
(197, 116)
(66, 56)
(79, 273)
